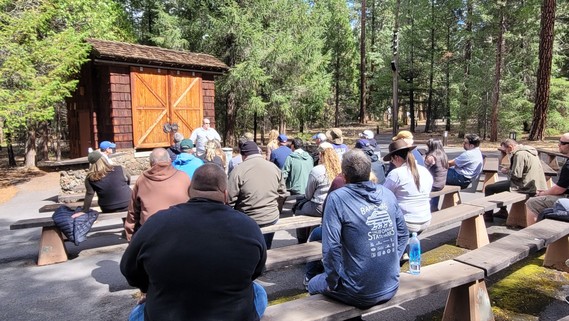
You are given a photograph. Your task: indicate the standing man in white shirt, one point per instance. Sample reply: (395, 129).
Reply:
(201, 135)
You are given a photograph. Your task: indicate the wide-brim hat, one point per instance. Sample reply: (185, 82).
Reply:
(335, 136)
(396, 146)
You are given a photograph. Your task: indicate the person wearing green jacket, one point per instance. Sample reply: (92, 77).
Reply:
(297, 167)
(525, 174)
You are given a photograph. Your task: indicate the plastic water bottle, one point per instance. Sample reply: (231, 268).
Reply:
(414, 254)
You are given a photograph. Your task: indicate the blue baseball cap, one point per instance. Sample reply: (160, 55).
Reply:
(282, 138)
(106, 145)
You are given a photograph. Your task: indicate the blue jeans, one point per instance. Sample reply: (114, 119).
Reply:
(315, 267)
(261, 300)
(456, 179)
(318, 285)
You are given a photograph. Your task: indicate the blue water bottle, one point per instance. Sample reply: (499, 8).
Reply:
(414, 254)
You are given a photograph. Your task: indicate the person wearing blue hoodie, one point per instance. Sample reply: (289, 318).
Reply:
(187, 162)
(363, 238)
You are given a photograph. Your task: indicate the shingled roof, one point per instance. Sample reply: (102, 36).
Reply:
(156, 56)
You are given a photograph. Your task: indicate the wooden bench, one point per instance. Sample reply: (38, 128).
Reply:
(450, 194)
(490, 171)
(468, 299)
(551, 157)
(517, 213)
(472, 234)
(52, 243)
(502, 253)
(51, 246)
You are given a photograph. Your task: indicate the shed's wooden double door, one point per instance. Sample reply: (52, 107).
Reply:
(164, 96)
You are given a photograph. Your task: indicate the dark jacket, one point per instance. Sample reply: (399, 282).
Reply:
(113, 191)
(196, 261)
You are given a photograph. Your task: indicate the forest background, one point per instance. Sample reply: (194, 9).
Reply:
(496, 66)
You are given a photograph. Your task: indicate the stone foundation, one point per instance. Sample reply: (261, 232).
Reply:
(72, 177)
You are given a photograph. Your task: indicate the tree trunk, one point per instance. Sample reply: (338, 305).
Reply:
(447, 83)
(363, 64)
(229, 136)
(337, 91)
(467, 58)
(394, 67)
(11, 156)
(544, 70)
(412, 75)
(428, 123)
(30, 159)
(45, 141)
(498, 76)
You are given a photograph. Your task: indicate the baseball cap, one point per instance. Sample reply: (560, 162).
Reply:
(282, 138)
(404, 134)
(106, 145)
(366, 134)
(186, 144)
(320, 136)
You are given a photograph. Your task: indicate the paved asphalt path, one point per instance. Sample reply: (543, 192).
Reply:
(91, 287)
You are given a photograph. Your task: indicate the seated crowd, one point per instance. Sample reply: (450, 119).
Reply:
(368, 213)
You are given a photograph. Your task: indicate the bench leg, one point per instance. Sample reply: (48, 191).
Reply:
(469, 302)
(517, 215)
(52, 249)
(450, 200)
(557, 254)
(553, 163)
(489, 178)
(472, 234)
(549, 182)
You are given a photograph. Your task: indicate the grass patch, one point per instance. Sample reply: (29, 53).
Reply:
(288, 298)
(526, 291)
(439, 254)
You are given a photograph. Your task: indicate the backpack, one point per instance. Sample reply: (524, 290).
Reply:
(559, 211)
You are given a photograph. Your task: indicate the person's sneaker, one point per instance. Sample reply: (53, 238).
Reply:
(502, 213)
(305, 282)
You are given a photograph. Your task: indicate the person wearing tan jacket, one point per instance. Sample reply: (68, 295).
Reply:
(156, 189)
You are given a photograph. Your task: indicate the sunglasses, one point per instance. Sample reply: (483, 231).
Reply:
(563, 143)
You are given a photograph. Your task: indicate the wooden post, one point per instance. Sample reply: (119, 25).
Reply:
(472, 233)
(557, 254)
(450, 200)
(469, 302)
(52, 249)
(517, 215)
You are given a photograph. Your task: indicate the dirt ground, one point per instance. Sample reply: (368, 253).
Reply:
(11, 177)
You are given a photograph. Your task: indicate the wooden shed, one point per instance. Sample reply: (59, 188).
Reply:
(133, 94)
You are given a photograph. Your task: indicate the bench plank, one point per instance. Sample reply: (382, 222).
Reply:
(506, 251)
(497, 200)
(293, 222)
(319, 307)
(293, 254)
(48, 221)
